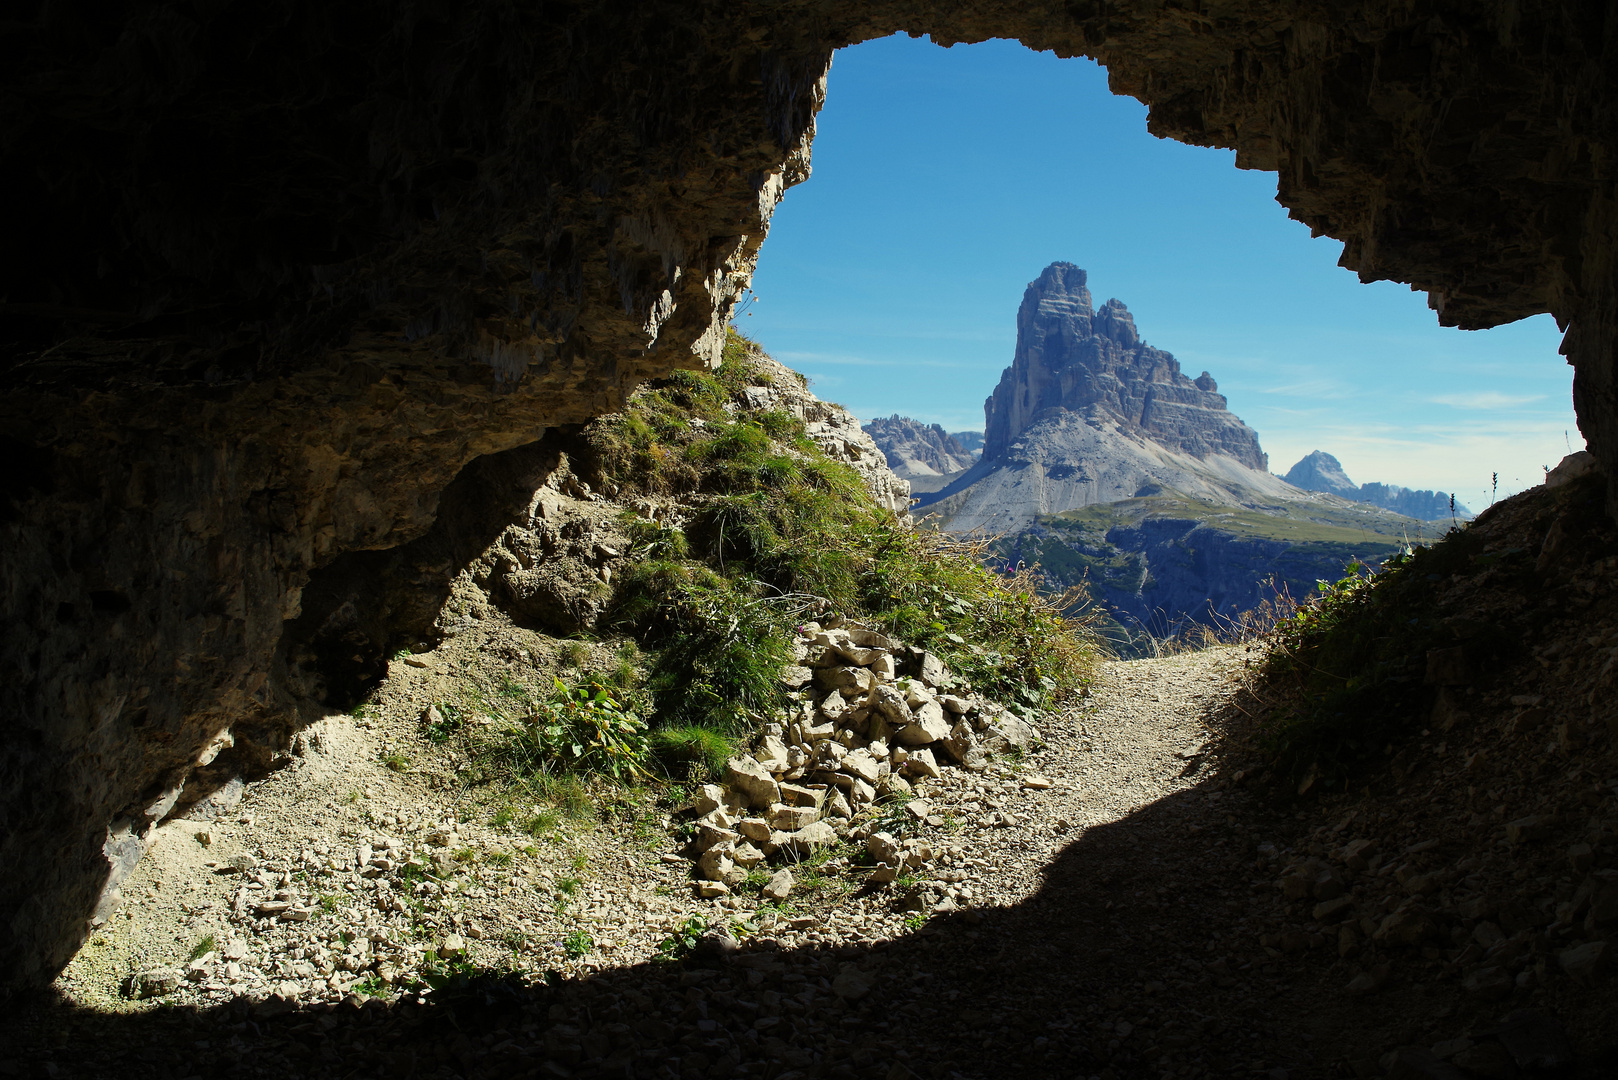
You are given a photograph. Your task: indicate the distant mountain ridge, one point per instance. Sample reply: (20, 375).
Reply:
(914, 449)
(1105, 464)
(1320, 471)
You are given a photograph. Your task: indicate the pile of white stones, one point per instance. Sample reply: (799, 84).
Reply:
(873, 719)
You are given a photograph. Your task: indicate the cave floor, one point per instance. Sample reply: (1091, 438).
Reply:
(1134, 918)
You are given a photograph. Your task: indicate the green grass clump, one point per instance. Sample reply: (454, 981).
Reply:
(691, 751)
(718, 644)
(1000, 632)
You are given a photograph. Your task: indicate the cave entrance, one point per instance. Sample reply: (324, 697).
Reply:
(945, 179)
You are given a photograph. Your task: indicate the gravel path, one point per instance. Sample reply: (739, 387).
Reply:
(1110, 906)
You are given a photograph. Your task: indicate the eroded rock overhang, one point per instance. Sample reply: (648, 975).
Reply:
(274, 276)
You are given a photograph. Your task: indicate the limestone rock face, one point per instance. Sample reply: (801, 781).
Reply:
(1089, 413)
(916, 449)
(1073, 357)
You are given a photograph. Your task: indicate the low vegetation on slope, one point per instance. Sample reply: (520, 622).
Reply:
(1173, 571)
(687, 539)
(1370, 661)
(776, 532)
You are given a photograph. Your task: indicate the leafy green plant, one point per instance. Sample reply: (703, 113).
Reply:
(205, 945)
(682, 940)
(450, 720)
(370, 986)
(577, 945)
(586, 729)
(890, 816)
(397, 760)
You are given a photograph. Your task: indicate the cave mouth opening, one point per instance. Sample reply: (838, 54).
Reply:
(945, 179)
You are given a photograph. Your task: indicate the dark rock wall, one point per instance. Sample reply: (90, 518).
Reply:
(273, 274)
(1071, 356)
(283, 272)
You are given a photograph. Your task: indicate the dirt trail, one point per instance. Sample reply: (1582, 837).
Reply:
(1127, 920)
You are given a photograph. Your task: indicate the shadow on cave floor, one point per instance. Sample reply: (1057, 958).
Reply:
(1155, 944)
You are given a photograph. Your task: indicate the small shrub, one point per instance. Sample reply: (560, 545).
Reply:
(577, 945)
(585, 729)
(682, 940)
(205, 945)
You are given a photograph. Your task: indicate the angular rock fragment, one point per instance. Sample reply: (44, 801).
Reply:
(753, 781)
(716, 862)
(779, 887)
(927, 726)
(792, 818)
(920, 763)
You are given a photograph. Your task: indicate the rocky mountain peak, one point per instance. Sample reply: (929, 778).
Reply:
(1071, 356)
(1321, 471)
(914, 449)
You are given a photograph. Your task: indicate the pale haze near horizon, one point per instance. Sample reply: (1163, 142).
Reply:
(945, 180)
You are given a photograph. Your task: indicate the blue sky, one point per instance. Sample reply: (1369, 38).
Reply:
(946, 179)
